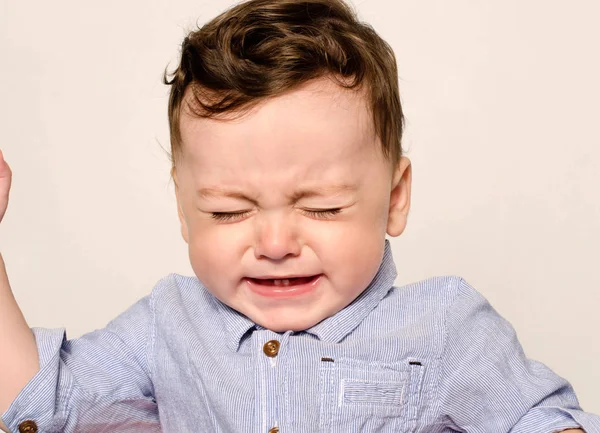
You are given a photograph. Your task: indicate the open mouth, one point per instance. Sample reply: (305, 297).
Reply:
(284, 282)
(283, 287)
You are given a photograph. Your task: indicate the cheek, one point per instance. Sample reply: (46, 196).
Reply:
(350, 253)
(215, 251)
(360, 256)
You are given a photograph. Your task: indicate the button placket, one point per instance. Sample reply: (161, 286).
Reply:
(267, 352)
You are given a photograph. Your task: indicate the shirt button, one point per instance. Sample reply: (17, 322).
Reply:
(28, 427)
(274, 430)
(271, 348)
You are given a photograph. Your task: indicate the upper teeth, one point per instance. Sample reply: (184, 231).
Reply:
(281, 282)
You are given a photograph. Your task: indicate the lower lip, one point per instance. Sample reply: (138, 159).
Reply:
(283, 291)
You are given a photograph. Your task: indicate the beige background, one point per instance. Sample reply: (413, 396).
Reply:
(501, 99)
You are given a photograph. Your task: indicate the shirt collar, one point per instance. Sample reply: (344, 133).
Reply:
(334, 328)
(236, 323)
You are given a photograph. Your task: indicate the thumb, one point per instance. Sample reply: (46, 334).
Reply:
(5, 181)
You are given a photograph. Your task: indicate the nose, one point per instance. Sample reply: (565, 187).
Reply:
(276, 237)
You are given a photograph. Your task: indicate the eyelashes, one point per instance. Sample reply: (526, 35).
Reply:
(323, 214)
(229, 216)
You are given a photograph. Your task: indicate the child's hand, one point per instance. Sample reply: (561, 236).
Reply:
(5, 179)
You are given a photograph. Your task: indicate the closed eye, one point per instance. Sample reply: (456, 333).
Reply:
(229, 216)
(322, 213)
(313, 213)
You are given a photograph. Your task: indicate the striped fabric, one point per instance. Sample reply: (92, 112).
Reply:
(432, 356)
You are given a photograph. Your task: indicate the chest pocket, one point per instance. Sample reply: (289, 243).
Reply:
(360, 396)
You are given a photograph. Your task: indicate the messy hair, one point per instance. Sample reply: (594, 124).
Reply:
(264, 48)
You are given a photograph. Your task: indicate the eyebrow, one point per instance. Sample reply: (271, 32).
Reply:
(322, 191)
(212, 192)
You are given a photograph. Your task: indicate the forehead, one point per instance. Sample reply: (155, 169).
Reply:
(317, 127)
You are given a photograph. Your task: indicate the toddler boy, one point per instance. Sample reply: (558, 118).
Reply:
(286, 130)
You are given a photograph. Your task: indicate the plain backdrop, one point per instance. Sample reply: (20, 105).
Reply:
(501, 100)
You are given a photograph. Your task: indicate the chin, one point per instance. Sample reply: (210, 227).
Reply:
(289, 325)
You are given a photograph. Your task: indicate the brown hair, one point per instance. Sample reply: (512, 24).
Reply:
(263, 48)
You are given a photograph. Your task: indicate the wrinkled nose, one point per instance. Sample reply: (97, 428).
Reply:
(276, 238)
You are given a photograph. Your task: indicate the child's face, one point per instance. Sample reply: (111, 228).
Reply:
(299, 187)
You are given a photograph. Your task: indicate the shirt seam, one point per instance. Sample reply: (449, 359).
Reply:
(457, 282)
(147, 368)
(151, 340)
(101, 397)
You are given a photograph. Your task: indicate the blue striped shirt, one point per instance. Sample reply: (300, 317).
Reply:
(432, 356)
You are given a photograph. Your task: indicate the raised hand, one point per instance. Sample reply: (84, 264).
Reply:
(5, 180)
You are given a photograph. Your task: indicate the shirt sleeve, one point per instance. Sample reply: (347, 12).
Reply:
(488, 385)
(100, 382)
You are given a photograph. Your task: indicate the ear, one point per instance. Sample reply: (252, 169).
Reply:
(184, 228)
(399, 197)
